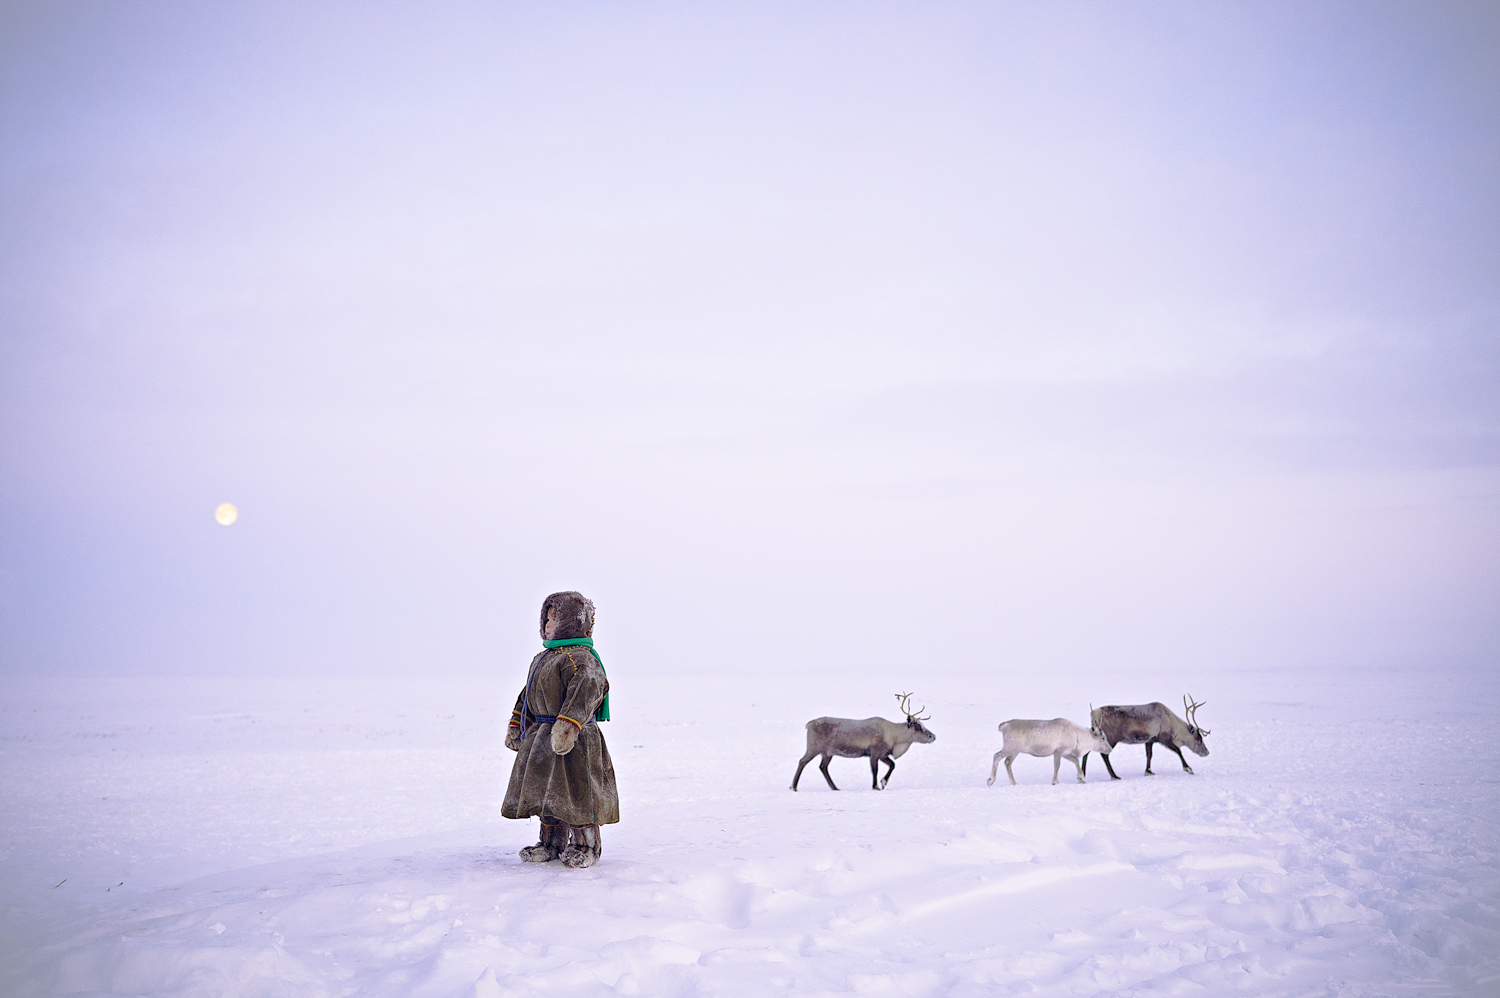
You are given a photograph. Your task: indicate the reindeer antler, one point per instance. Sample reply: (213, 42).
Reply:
(1191, 709)
(905, 699)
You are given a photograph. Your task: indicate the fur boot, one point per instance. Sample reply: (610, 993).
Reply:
(553, 840)
(585, 848)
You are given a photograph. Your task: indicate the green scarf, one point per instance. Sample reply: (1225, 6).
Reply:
(602, 714)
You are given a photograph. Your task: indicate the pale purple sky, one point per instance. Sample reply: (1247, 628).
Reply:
(1159, 332)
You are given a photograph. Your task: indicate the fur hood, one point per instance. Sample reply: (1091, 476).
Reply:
(575, 614)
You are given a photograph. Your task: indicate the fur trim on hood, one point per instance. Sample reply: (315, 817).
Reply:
(575, 615)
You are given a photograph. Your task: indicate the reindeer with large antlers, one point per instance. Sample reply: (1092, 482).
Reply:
(875, 737)
(1149, 724)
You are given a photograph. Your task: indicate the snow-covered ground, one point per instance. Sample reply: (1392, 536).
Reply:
(305, 838)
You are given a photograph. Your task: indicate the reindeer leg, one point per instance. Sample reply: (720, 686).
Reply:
(1084, 769)
(1056, 765)
(995, 767)
(890, 768)
(805, 760)
(1105, 757)
(823, 767)
(1148, 759)
(1079, 768)
(1008, 771)
(874, 771)
(1185, 766)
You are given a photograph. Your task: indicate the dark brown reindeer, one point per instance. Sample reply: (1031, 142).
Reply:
(1149, 724)
(875, 737)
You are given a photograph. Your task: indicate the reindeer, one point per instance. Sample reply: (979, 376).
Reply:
(1149, 723)
(1060, 738)
(881, 740)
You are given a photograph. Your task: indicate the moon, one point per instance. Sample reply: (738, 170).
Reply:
(226, 514)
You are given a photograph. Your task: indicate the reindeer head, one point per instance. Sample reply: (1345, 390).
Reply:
(915, 718)
(1190, 711)
(1096, 729)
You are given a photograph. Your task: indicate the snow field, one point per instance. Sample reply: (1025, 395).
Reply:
(317, 842)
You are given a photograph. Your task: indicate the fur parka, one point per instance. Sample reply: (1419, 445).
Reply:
(577, 788)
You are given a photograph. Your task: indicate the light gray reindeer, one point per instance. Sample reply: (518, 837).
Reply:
(875, 737)
(1060, 738)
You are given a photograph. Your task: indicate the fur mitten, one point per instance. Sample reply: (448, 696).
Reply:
(564, 734)
(513, 737)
